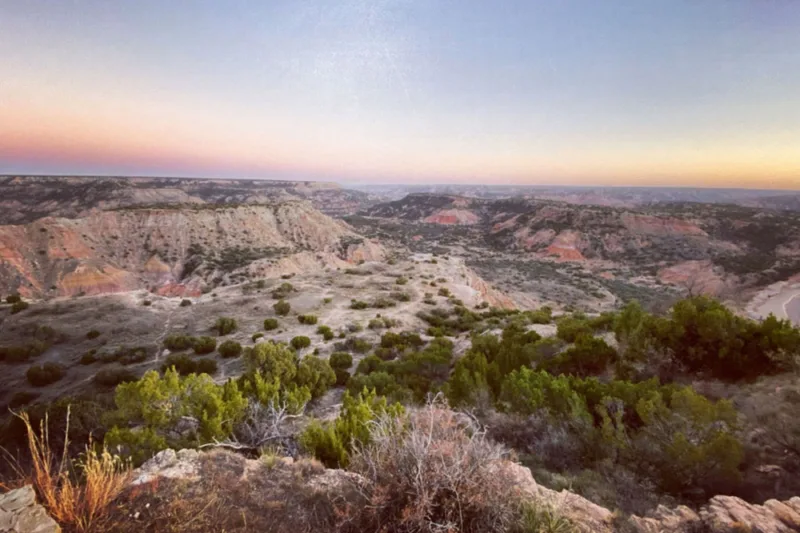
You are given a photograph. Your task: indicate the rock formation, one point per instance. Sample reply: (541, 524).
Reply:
(722, 514)
(170, 250)
(19, 513)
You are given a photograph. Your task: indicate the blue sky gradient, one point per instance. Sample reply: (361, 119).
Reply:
(662, 92)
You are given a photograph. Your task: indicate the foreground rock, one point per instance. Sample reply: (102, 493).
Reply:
(260, 480)
(19, 513)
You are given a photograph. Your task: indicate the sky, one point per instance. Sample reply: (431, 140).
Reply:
(568, 92)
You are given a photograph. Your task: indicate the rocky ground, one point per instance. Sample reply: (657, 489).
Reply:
(222, 491)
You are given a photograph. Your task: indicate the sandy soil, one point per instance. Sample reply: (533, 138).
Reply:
(793, 309)
(781, 299)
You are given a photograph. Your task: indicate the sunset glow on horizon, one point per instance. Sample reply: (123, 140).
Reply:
(678, 93)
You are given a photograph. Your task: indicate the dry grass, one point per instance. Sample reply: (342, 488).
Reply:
(76, 494)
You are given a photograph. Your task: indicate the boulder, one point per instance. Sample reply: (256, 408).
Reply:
(19, 513)
(184, 464)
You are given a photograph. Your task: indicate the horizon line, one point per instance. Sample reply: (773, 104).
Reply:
(388, 184)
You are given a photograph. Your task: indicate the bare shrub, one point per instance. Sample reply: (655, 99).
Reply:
(433, 471)
(556, 444)
(266, 425)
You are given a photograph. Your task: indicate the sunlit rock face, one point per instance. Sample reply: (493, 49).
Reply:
(171, 251)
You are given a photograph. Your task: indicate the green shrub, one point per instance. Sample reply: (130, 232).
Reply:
(401, 281)
(589, 356)
(526, 392)
(382, 303)
(256, 336)
(385, 354)
(689, 443)
(300, 342)
(357, 272)
(540, 518)
(13, 298)
(147, 303)
(704, 336)
(341, 360)
(92, 334)
(127, 355)
(272, 361)
(570, 328)
(185, 365)
(326, 332)
(18, 307)
(543, 315)
(308, 320)
(400, 296)
(333, 442)
(342, 377)
(469, 383)
(377, 323)
(111, 377)
(282, 308)
(383, 383)
(422, 372)
(353, 344)
(401, 341)
(603, 322)
(444, 291)
(45, 374)
(88, 358)
(176, 343)
(137, 445)
(271, 324)
(225, 326)
(316, 374)
(273, 374)
(369, 364)
(283, 291)
(22, 398)
(230, 349)
(24, 352)
(204, 345)
(358, 304)
(218, 408)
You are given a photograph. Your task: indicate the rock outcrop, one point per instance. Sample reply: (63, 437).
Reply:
(722, 514)
(19, 513)
(169, 250)
(698, 277)
(567, 246)
(453, 217)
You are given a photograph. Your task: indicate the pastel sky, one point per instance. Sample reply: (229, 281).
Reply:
(611, 92)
